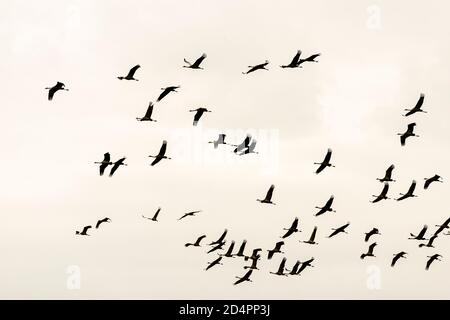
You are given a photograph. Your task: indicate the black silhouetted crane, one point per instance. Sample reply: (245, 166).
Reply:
(130, 75)
(250, 149)
(245, 144)
(294, 62)
(293, 228)
(409, 193)
(155, 216)
(56, 87)
(240, 252)
(417, 107)
(338, 230)
(246, 277)
(268, 198)
(312, 237)
(408, 133)
(372, 232)
(189, 214)
(213, 263)
(443, 226)
(421, 235)
(220, 140)
(221, 238)
(99, 222)
(382, 195)
(294, 269)
(429, 244)
(148, 114)
(428, 181)
(166, 91)
(432, 258)
(161, 154)
(197, 242)
(326, 207)
(84, 231)
(369, 252)
(325, 163)
(277, 249)
(196, 64)
(311, 58)
(229, 253)
(305, 264)
(401, 254)
(261, 66)
(253, 266)
(388, 175)
(219, 246)
(280, 271)
(116, 166)
(198, 114)
(105, 162)
(255, 254)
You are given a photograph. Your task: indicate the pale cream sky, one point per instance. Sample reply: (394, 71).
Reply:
(377, 57)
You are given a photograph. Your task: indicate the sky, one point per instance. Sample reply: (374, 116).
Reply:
(377, 57)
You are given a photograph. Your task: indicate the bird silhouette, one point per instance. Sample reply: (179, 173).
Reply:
(421, 235)
(311, 58)
(166, 91)
(408, 133)
(255, 254)
(254, 265)
(268, 197)
(196, 243)
(84, 231)
(155, 216)
(214, 263)
(417, 107)
(148, 114)
(294, 62)
(52, 90)
(443, 226)
(219, 246)
(104, 163)
(246, 277)
(435, 178)
(304, 265)
(250, 148)
(198, 114)
(293, 228)
(280, 271)
(325, 163)
(196, 64)
(261, 66)
(382, 195)
(277, 248)
(326, 207)
(229, 253)
(99, 222)
(130, 75)
(431, 259)
(429, 244)
(240, 252)
(401, 254)
(244, 145)
(189, 214)
(369, 252)
(338, 230)
(312, 238)
(388, 175)
(409, 193)
(116, 165)
(161, 154)
(221, 238)
(294, 269)
(220, 140)
(371, 233)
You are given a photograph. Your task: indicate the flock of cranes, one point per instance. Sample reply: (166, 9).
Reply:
(247, 146)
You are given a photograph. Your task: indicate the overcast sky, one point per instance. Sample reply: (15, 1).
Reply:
(376, 59)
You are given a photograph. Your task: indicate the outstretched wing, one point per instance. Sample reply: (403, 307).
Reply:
(132, 71)
(149, 112)
(197, 62)
(163, 94)
(296, 58)
(269, 193)
(162, 151)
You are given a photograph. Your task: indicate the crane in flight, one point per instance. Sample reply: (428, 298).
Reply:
(311, 58)
(198, 114)
(420, 235)
(161, 154)
(52, 90)
(197, 242)
(255, 254)
(219, 246)
(99, 222)
(155, 216)
(116, 166)
(295, 62)
(240, 252)
(341, 229)
(293, 228)
(196, 64)
(148, 114)
(408, 133)
(261, 66)
(280, 271)
(428, 181)
(431, 259)
(246, 277)
(401, 254)
(429, 244)
(250, 149)
(312, 237)
(229, 253)
(166, 91)
(388, 175)
(84, 231)
(294, 269)
(221, 238)
(382, 195)
(130, 75)
(326, 207)
(214, 263)
(189, 214)
(268, 197)
(417, 107)
(443, 226)
(277, 249)
(325, 163)
(254, 265)
(369, 252)
(244, 145)
(104, 163)
(409, 193)
(371, 233)
(304, 265)
(220, 140)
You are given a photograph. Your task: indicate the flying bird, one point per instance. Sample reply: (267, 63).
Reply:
(312, 237)
(240, 252)
(388, 175)
(99, 222)
(417, 107)
(213, 263)
(84, 231)
(326, 207)
(198, 114)
(311, 58)
(293, 228)
(408, 133)
(268, 198)
(196, 64)
(255, 254)
(229, 253)
(429, 244)
(196, 243)
(261, 66)
(280, 271)
(219, 246)
(382, 195)
(116, 166)
(105, 163)
(369, 252)
(294, 269)
(148, 114)
(221, 238)
(305, 264)
(371, 233)
(155, 216)
(432, 258)
(341, 229)
(325, 163)
(397, 256)
(56, 87)
(189, 214)
(250, 149)
(130, 75)
(245, 144)
(443, 226)
(246, 277)
(409, 193)
(166, 91)
(220, 140)
(161, 154)
(254, 264)
(294, 62)
(421, 235)
(277, 248)
(435, 178)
